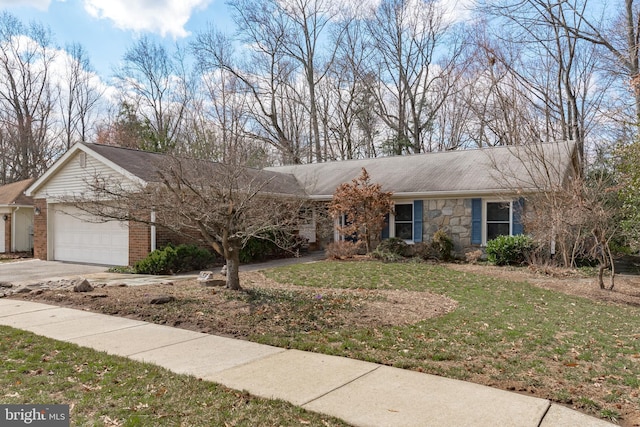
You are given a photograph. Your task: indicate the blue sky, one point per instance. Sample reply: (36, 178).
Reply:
(107, 28)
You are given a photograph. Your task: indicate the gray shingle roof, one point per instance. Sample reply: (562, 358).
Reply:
(146, 165)
(479, 171)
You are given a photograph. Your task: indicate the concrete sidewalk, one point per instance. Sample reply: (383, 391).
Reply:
(361, 393)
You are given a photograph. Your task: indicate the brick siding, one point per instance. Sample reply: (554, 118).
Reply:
(40, 230)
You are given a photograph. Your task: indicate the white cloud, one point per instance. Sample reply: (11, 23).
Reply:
(165, 17)
(456, 10)
(38, 4)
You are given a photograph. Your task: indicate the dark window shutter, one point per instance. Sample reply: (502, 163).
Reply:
(417, 220)
(518, 209)
(385, 229)
(476, 221)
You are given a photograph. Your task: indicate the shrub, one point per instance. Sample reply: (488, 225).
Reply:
(257, 250)
(509, 250)
(172, 260)
(422, 250)
(395, 246)
(473, 257)
(386, 256)
(442, 245)
(262, 248)
(342, 249)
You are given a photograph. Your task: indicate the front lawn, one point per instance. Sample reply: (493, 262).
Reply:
(510, 335)
(577, 351)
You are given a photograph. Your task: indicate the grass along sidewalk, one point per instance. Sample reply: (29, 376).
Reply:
(505, 334)
(104, 390)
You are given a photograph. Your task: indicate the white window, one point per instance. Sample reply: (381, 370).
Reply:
(403, 221)
(497, 219)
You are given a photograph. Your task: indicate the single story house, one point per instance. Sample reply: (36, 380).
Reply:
(16, 216)
(474, 195)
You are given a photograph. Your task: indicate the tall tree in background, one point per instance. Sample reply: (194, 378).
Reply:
(27, 100)
(155, 84)
(79, 95)
(555, 69)
(266, 78)
(414, 63)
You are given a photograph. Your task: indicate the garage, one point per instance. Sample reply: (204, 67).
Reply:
(80, 238)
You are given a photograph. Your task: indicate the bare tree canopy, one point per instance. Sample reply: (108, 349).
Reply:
(221, 205)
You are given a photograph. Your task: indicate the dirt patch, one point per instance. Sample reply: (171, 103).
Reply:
(263, 307)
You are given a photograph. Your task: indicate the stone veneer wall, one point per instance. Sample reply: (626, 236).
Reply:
(451, 215)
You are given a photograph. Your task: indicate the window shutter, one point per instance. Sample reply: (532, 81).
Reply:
(476, 221)
(385, 229)
(518, 208)
(417, 220)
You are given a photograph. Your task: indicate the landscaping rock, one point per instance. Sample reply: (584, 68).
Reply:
(6, 285)
(161, 299)
(81, 285)
(207, 278)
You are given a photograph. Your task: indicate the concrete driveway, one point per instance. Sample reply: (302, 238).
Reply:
(34, 270)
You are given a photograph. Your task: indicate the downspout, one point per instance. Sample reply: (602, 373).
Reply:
(13, 229)
(153, 231)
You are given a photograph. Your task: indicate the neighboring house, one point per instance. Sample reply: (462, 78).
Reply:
(16, 218)
(473, 194)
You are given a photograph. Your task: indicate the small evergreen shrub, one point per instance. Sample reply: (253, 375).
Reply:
(442, 245)
(386, 256)
(257, 250)
(395, 246)
(172, 260)
(509, 250)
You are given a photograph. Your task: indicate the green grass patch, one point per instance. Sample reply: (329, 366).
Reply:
(502, 332)
(104, 390)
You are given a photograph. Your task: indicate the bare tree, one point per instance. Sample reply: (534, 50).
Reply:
(573, 216)
(414, 63)
(537, 48)
(155, 84)
(222, 205)
(79, 95)
(266, 78)
(26, 99)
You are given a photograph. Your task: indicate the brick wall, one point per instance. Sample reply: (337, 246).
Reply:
(7, 232)
(40, 230)
(139, 241)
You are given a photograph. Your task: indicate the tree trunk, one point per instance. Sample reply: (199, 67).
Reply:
(232, 257)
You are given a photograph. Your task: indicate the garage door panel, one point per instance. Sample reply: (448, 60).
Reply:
(78, 238)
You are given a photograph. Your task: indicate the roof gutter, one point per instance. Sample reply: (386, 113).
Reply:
(441, 194)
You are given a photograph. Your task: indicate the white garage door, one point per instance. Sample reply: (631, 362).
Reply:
(79, 240)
